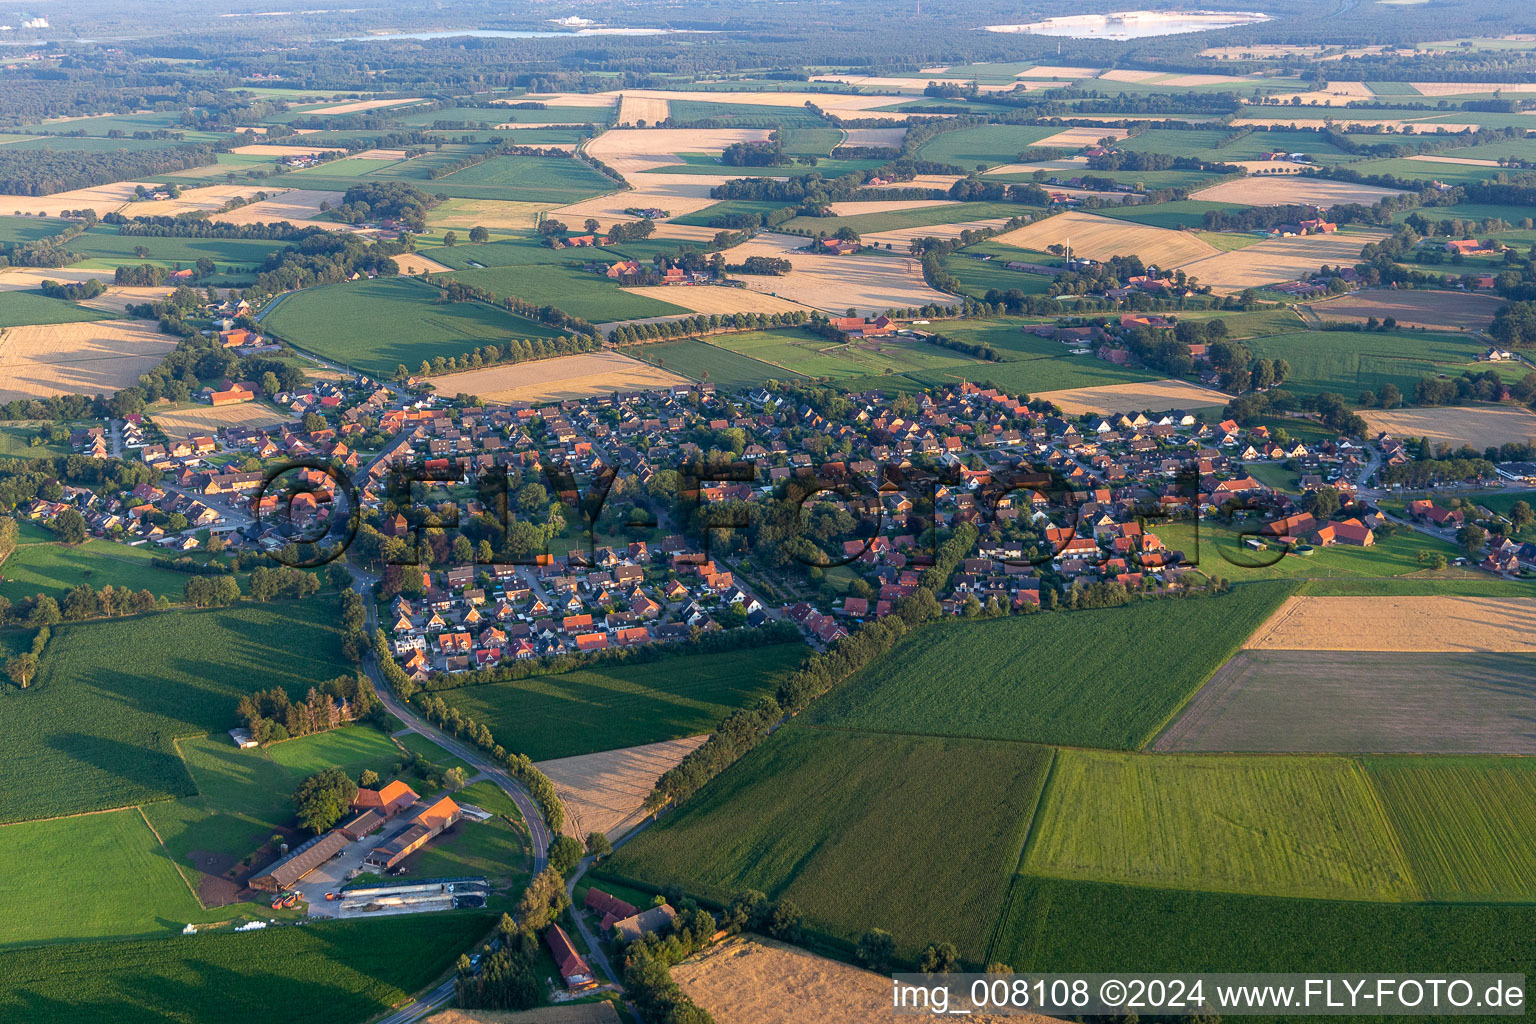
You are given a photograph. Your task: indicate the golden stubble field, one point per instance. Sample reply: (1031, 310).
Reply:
(1478, 425)
(1099, 238)
(555, 380)
(1276, 259)
(759, 981)
(91, 358)
(104, 199)
(205, 419)
(1414, 308)
(1280, 190)
(868, 284)
(605, 792)
(568, 1013)
(1154, 395)
(415, 263)
(1440, 624)
(298, 206)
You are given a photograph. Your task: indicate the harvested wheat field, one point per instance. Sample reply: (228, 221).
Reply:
(868, 284)
(102, 198)
(685, 232)
(1476, 425)
(943, 181)
(1045, 71)
(1464, 88)
(900, 238)
(462, 214)
(353, 108)
(912, 85)
(604, 792)
(95, 357)
(416, 263)
(635, 109)
(1275, 260)
(1076, 138)
(1130, 75)
(1444, 624)
(555, 380)
(705, 298)
(205, 419)
(566, 99)
(22, 279)
(118, 299)
(849, 105)
(1337, 94)
(271, 149)
(1419, 308)
(195, 199)
(298, 206)
(858, 207)
(1153, 395)
(759, 981)
(1283, 189)
(569, 1013)
(891, 137)
(1465, 161)
(1099, 238)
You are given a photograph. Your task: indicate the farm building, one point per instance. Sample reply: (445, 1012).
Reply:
(388, 801)
(422, 829)
(288, 870)
(362, 824)
(654, 919)
(573, 968)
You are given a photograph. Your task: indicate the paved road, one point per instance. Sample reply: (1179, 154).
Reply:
(422, 1005)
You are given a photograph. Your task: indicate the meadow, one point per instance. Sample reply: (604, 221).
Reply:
(704, 361)
(528, 179)
(29, 229)
(978, 277)
(96, 728)
(519, 250)
(743, 115)
(800, 352)
(334, 971)
(1295, 826)
(624, 705)
(911, 834)
(988, 144)
(706, 217)
(380, 324)
(21, 308)
(1184, 213)
(1030, 364)
(918, 217)
(1349, 362)
(1066, 678)
(576, 291)
(1217, 549)
(105, 243)
(54, 568)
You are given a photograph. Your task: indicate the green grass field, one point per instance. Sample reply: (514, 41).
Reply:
(706, 216)
(704, 361)
(419, 744)
(1030, 365)
(804, 353)
(926, 216)
(989, 144)
(1467, 825)
(1349, 362)
(911, 834)
(95, 729)
(29, 229)
(1278, 826)
(743, 115)
(108, 877)
(492, 848)
(20, 308)
(605, 708)
(1106, 678)
(578, 292)
(811, 141)
(977, 277)
(54, 568)
(1219, 551)
(382, 323)
(336, 971)
(520, 250)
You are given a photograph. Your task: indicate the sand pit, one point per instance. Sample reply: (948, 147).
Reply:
(633, 110)
(205, 419)
(605, 792)
(759, 981)
(92, 358)
(1100, 238)
(1280, 191)
(869, 284)
(891, 137)
(270, 149)
(416, 263)
(569, 1013)
(1153, 395)
(102, 198)
(1276, 259)
(1454, 311)
(1476, 425)
(711, 299)
(297, 206)
(1486, 625)
(555, 380)
(360, 105)
(1075, 138)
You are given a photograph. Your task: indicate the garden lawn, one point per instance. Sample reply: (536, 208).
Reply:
(96, 728)
(341, 972)
(914, 835)
(1277, 826)
(1105, 678)
(380, 324)
(416, 743)
(492, 848)
(624, 705)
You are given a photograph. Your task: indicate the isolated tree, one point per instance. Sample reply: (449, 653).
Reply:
(1472, 538)
(450, 238)
(939, 958)
(70, 526)
(21, 669)
(784, 921)
(564, 854)
(455, 777)
(369, 779)
(1521, 517)
(478, 234)
(876, 950)
(592, 225)
(598, 846)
